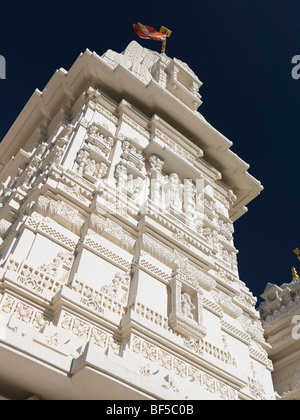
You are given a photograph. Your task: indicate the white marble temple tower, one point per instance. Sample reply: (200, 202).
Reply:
(280, 314)
(119, 274)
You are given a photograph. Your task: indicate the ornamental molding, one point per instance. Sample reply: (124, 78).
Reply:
(112, 231)
(45, 280)
(92, 241)
(140, 130)
(176, 261)
(11, 306)
(62, 212)
(181, 368)
(86, 331)
(289, 379)
(51, 229)
(99, 102)
(111, 297)
(226, 303)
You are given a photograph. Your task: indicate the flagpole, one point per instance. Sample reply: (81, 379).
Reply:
(166, 31)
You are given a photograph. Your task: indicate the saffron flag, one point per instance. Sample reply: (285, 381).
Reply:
(149, 33)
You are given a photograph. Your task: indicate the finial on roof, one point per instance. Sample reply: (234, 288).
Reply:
(297, 252)
(294, 273)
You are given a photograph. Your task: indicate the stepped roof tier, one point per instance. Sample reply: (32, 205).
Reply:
(170, 92)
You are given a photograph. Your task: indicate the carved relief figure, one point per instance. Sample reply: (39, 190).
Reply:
(81, 159)
(136, 189)
(169, 193)
(173, 192)
(133, 187)
(187, 307)
(157, 178)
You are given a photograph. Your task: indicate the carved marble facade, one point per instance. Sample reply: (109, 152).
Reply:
(117, 250)
(280, 314)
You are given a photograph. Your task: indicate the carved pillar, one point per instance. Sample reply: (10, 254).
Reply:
(101, 172)
(173, 81)
(156, 179)
(176, 286)
(121, 176)
(189, 198)
(81, 160)
(199, 308)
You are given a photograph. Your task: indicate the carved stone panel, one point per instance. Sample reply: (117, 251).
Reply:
(186, 314)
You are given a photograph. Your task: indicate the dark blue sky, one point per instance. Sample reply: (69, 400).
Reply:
(241, 51)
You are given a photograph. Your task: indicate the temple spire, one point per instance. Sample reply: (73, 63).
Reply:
(294, 271)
